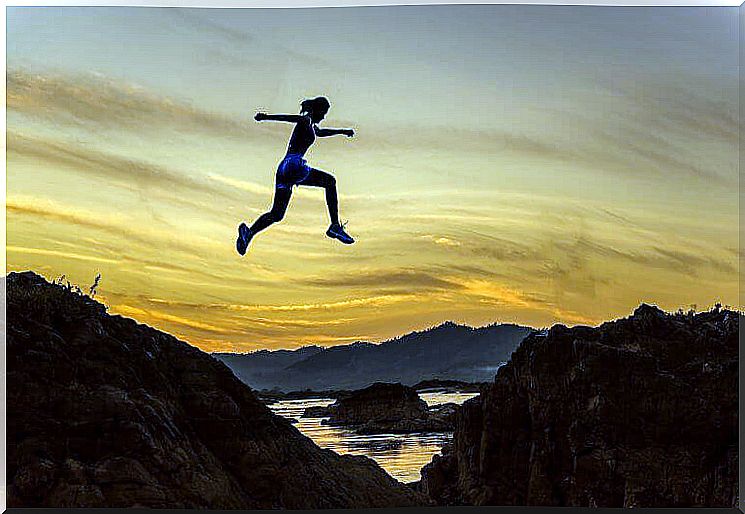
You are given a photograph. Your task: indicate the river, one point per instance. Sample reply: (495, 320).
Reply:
(401, 455)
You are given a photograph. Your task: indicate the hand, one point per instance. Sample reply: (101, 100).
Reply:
(260, 116)
(349, 133)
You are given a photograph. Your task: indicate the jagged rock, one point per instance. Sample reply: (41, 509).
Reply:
(388, 408)
(639, 412)
(378, 403)
(104, 412)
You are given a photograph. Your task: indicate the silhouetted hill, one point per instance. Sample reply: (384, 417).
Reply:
(445, 352)
(639, 412)
(104, 412)
(261, 367)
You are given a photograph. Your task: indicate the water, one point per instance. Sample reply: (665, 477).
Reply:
(401, 455)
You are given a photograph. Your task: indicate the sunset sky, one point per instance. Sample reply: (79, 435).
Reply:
(528, 164)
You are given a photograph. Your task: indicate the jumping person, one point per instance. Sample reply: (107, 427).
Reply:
(294, 171)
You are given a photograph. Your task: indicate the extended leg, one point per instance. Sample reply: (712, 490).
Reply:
(279, 207)
(282, 197)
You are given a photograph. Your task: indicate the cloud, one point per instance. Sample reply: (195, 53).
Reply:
(118, 226)
(57, 253)
(244, 185)
(631, 129)
(128, 173)
(157, 316)
(369, 301)
(408, 279)
(675, 106)
(441, 240)
(195, 19)
(689, 263)
(75, 99)
(243, 40)
(497, 295)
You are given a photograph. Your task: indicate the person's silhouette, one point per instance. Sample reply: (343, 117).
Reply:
(294, 171)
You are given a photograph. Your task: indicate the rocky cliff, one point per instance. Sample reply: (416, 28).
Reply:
(639, 412)
(104, 412)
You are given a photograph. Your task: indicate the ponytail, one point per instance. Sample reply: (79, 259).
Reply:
(312, 105)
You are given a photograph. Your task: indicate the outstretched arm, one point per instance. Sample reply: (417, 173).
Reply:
(326, 132)
(291, 118)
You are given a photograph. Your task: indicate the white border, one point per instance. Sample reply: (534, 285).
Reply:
(258, 4)
(295, 4)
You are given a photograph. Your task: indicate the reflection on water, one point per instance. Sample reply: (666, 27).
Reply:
(401, 455)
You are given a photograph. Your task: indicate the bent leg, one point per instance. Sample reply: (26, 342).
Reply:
(282, 197)
(318, 178)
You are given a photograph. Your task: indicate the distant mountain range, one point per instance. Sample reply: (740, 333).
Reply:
(446, 352)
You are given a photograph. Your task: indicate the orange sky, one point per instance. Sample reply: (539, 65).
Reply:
(495, 176)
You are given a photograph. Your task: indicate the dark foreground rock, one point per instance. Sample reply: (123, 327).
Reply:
(640, 412)
(103, 412)
(386, 408)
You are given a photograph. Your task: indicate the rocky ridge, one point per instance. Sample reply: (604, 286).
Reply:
(105, 412)
(638, 412)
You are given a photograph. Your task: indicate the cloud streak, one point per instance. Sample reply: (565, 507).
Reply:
(117, 227)
(112, 105)
(125, 172)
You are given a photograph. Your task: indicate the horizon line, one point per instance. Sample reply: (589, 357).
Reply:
(52, 281)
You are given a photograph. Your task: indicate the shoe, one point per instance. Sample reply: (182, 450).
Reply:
(336, 231)
(244, 237)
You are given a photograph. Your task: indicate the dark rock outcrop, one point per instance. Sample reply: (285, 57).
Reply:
(378, 403)
(386, 408)
(639, 412)
(104, 412)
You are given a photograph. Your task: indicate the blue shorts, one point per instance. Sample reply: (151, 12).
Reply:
(293, 170)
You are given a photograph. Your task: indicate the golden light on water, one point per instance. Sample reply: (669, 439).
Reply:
(401, 455)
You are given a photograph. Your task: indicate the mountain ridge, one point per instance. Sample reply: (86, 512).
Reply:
(448, 351)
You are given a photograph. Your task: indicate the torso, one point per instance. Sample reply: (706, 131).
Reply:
(302, 137)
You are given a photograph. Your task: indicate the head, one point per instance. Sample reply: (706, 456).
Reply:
(315, 107)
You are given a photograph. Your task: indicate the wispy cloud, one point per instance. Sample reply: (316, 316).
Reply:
(57, 253)
(497, 295)
(118, 226)
(441, 240)
(125, 172)
(369, 301)
(110, 104)
(148, 316)
(241, 39)
(410, 280)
